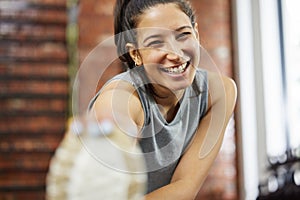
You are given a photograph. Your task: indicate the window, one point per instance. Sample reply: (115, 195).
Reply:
(267, 60)
(282, 101)
(290, 29)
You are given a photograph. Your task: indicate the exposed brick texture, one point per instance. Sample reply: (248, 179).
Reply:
(214, 25)
(34, 87)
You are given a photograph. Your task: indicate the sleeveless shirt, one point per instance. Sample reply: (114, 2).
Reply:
(163, 143)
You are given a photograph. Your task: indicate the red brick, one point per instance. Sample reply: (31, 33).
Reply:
(50, 2)
(48, 50)
(94, 30)
(25, 161)
(24, 124)
(33, 65)
(37, 105)
(35, 15)
(214, 22)
(23, 32)
(29, 144)
(34, 69)
(34, 87)
(19, 178)
(38, 194)
(96, 7)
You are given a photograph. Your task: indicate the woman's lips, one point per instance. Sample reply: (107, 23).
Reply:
(177, 69)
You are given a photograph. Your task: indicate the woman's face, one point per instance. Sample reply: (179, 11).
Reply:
(168, 47)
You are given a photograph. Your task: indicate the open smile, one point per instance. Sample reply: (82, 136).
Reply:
(177, 69)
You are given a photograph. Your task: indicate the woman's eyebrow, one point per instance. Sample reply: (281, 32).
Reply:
(183, 27)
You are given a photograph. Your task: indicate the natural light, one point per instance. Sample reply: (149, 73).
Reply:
(292, 48)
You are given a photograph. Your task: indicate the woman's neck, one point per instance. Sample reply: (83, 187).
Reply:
(168, 102)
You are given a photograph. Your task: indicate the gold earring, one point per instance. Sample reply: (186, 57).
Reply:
(135, 62)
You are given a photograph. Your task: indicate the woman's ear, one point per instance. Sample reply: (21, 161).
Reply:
(196, 30)
(134, 54)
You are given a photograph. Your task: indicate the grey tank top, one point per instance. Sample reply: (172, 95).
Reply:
(163, 143)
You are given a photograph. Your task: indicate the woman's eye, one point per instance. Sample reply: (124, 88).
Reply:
(183, 35)
(155, 43)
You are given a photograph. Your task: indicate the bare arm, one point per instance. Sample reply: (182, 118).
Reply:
(119, 103)
(196, 162)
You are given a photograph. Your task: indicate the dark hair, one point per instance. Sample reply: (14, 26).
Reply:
(126, 16)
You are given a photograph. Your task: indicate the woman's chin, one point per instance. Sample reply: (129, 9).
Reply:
(179, 86)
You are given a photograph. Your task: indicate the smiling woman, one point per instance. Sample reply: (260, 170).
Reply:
(180, 111)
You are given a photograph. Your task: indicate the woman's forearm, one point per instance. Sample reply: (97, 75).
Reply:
(179, 190)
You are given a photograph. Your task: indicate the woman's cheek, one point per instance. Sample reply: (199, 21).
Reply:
(193, 50)
(152, 57)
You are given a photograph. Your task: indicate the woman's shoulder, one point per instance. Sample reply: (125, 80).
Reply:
(118, 98)
(222, 88)
(118, 85)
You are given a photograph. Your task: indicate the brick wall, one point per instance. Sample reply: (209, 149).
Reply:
(213, 16)
(214, 22)
(95, 34)
(34, 93)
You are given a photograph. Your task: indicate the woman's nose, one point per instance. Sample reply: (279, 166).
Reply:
(173, 56)
(174, 52)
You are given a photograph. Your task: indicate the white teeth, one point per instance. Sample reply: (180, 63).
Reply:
(176, 70)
